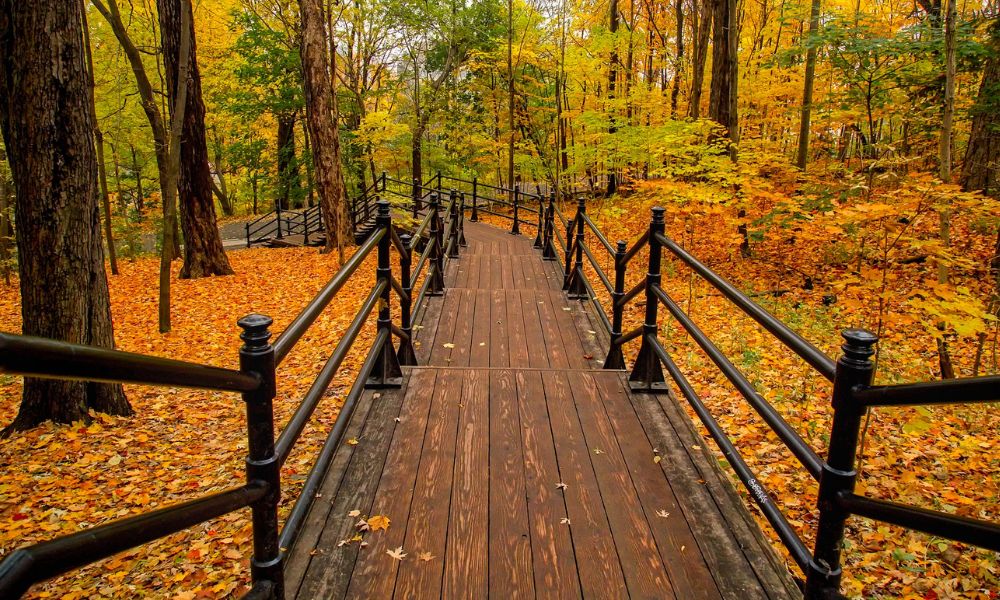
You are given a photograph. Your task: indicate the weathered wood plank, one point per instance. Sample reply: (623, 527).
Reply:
(510, 545)
(593, 543)
(479, 353)
(677, 546)
(553, 560)
(465, 566)
(499, 343)
(644, 572)
(375, 573)
(427, 522)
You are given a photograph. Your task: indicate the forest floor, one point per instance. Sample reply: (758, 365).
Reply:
(181, 444)
(60, 479)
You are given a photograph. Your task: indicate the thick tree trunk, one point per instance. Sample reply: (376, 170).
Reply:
(722, 98)
(203, 252)
(48, 129)
(221, 190)
(321, 107)
(5, 232)
(981, 166)
(675, 88)
(140, 196)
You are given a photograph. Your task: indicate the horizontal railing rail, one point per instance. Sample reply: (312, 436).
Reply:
(852, 392)
(256, 380)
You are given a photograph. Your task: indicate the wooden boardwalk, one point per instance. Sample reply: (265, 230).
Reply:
(512, 466)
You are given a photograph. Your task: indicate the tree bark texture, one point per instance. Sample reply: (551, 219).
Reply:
(700, 58)
(321, 109)
(722, 97)
(981, 166)
(203, 252)
(48, 130)
(807, 92)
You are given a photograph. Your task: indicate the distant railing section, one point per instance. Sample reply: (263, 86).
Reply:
(851, 377)
(256, 380)
(281, 223)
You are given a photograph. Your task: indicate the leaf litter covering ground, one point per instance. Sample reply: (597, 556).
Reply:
(181, 444)
(941, 458)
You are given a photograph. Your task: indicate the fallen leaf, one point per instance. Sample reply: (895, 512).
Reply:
(448, 345)
(662, 513)
(352, 442)
(396, 554)
(561, 486)
(354, 513)
(657, 458)
(564, 521)
(425, 556)
(378, 522)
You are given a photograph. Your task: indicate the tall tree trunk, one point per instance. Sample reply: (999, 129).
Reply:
(321, 107)
(723, 94)
(140, 196)
(221, 190)
(99, 140)
(5, 264)
(807, 92)
(981, 166)
(48, 130)
(203, 252)
(675, 89)
(510, 100)
(288, 166)
(612, 81)
(700, 58)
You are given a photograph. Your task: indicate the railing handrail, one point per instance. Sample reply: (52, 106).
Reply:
(52, 359)
(256, 380)
(852, 395)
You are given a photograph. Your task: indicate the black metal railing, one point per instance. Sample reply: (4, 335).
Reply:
(279, 224)
(852, 392)
(257, 381)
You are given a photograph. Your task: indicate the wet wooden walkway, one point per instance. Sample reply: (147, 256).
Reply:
(511, 466)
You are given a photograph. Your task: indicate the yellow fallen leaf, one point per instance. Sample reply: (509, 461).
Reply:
(378, 522)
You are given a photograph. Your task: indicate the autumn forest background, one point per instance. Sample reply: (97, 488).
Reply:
(838, 160)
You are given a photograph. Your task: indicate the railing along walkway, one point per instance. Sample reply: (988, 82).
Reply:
(512, 465)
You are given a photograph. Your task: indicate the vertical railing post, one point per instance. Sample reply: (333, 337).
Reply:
(247, 227)
(417, 193)
(278, 217)
(453, 224)
(405, 354)
(386, 372)
(515, 229)
(647, 373)
(305, 227)
(438, 177)
(854, 370)
(548, 250)
(257, 356)
(383, 177)
(615, 358)
(475, 200)
(568, 262)
(436, 268)
(576, 288)
(461, 220)
(541, 223)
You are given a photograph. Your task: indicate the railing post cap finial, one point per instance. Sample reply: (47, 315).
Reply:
(434, 199)
(858, 344)
(658, 212)
(621, 246)
(383, 206)
(256, 330)
(452, 193)
(581, 201)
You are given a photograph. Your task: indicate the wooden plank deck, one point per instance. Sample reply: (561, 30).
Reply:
(511, 466)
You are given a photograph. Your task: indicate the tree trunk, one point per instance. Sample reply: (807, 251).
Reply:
(612, 80)
(700, 59)
(5, 264)
(99, 140)
(722, 98)
(140, 197)
(289, 185)
(807, 92)
(221, 190)
(510, 99)
(981, 166)
(48, 129)
(321, 107)
(203, 252)
(675, 88)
